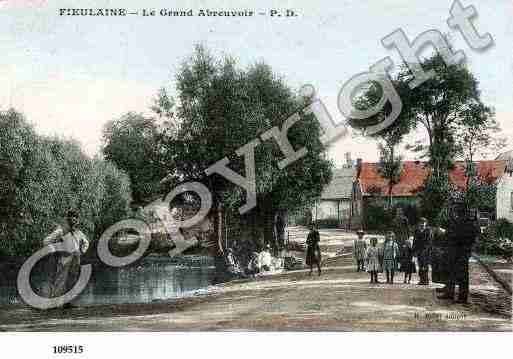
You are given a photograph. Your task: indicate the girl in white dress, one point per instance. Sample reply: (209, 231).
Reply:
(373, 260)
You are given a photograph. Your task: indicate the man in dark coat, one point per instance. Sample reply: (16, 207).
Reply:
(440, 259)
(422, 244)
(462, 232)
(313, 250)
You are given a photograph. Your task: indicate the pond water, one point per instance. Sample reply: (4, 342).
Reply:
(151, 279)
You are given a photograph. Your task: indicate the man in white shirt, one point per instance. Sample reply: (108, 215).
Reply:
(68, 263)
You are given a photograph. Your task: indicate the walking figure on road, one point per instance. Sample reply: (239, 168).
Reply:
(422, 246)
(360, 251)
(67, 268)
(313, 251)
(373, 260)
(390, 256)
(407, 263)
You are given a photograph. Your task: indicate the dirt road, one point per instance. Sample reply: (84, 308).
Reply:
(339, 300)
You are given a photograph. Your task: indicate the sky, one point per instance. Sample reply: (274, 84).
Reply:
(70, 75)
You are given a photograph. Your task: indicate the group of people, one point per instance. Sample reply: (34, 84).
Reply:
(408, 253)
(399, 252)
(257, 263)
(395, 256)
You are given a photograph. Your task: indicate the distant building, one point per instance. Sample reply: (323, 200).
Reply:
(505, 188)
(335, 202)
(369, 186)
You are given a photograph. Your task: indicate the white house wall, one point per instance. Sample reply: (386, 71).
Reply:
(330, 209)
(504, 194)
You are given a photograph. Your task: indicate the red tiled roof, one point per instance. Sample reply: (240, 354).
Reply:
(414, 174)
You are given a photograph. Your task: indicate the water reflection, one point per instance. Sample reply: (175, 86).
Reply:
(152, 279)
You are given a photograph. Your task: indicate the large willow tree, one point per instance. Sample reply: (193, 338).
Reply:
(41, 178)
(221, 107)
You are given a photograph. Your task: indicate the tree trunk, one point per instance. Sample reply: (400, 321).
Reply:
(218, 229)
(470, 171)
(256, 233)
(391, 180)
(221, 271)
(268, 222)
(390, 186)
(221, 231)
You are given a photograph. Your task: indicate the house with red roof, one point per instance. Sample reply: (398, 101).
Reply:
(369, 186)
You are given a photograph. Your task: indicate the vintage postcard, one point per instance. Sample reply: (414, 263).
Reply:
(255, 166)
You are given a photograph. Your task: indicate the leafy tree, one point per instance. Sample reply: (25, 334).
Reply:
(448, 107)
(497, 239)
(377, 218)
(115, 195)
(481, 193)
(132, 144)
(390, 165)
(221, 108)
(28, 184)
(41, 178)
(480, 136)
(163, 104)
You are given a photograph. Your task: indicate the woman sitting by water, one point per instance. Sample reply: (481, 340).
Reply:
(265, 259)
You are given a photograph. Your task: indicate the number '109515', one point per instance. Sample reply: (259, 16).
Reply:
(68, 349)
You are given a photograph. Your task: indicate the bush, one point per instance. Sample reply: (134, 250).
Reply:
(301, 217)
(377, 218)
(41, 178)
(496, 239)
(411, 211)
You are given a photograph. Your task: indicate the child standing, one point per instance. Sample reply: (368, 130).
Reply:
(359, 251)
(390, 254)
(373, 260)
(407, 264)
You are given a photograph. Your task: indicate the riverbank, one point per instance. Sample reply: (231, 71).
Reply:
(339, 300)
